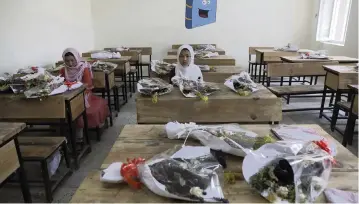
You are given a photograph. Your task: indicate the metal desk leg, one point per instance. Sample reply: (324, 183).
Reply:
(86, 131)
(108, 98)
(22, 174)
(323, 101)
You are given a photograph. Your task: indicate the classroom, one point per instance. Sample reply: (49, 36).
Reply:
(168, 101)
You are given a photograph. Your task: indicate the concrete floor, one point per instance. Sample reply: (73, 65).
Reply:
(127, 115)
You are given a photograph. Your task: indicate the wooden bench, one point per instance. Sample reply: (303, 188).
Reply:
(281, 91)
(40, 149)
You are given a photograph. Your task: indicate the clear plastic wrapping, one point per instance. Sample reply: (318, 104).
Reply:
(193, 89)
(205, 54)
(204, 47)
(105, 55)
(184, 173)
(320, 54)
(103, 66)
(228, 138)
(288, 48)
(288, 171)
(241, 83)
(153, 87)
(162, 68)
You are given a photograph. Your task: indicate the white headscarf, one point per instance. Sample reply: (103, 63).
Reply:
(192, 71)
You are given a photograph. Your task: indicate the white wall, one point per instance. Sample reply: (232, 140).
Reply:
(350, 48)
(35, 32)
(240, 24)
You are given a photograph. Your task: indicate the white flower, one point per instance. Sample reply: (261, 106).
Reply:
(282, 191)
(196, 191)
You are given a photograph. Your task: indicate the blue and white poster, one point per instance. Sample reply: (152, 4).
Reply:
(200, 13)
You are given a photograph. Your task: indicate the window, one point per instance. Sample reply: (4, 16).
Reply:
(333, 21)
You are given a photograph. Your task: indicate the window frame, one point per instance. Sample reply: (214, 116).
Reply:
(333, 24)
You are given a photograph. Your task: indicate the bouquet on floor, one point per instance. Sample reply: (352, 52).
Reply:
(229, 138)
(103, 66)
(193, 89)
(105, 55)
(183, 173)
(288, 48)
(162, 68)
(153, 87)
(241, 83)
(321, 54)
(289, 171)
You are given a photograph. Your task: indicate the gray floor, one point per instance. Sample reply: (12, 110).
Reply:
(93, 161)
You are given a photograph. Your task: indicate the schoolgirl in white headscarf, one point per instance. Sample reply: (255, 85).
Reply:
(185, 64)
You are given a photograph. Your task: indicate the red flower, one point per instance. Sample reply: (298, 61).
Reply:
(130, 173)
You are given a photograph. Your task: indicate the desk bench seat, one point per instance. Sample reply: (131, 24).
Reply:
(281, 91)
(39, 149)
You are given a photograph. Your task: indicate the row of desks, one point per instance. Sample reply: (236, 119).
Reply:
(146, 141)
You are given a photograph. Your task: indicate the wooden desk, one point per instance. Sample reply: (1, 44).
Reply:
(264, 56)
(174, 51)
(222, 60)
(148, 140)
(224, 106)
(353, 116)
(104, 82)
(10, 156)
(340, 59)
(217, 75)
(337, 79)
(54, 110)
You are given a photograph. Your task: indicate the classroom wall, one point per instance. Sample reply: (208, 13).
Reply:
(351, 45)
(240, 24)
(35, 32)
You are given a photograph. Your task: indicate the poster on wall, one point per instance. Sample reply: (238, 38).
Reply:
(200, 13)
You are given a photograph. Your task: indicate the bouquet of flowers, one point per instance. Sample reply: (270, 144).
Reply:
(229, 138)
(289, 171)
(105, 55)
(44, 89)
(288, 48)
(184, 173)
(204, 47)
(205, 54)
(193, 89)
(241, 83)
(103, 66)
(153, 87)
(321, 54)
(162, 68)
(5, 80)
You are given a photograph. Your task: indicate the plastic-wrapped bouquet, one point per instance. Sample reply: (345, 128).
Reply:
(5, 80)
(204, 47)
(289, 171)
(241, 83)
(153, 87)
(321, 54)
(185, 173)
(44, 89)
(192, 89)
(162, 68)
(103, 66)
(205, 54)
(105, 55)
(288, 48)
(228, 138)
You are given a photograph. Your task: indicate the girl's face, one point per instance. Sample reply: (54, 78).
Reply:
(185, 57)
(70, 61)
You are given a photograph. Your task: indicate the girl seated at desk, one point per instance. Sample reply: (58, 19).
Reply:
(185, 64)
(77, 70)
